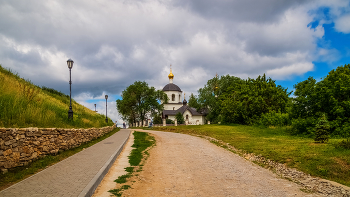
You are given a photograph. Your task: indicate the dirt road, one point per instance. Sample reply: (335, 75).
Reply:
(183, 165)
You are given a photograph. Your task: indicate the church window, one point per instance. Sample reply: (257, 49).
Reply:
(173, 108)
(186, 117)
(173, 97)
(179, 98)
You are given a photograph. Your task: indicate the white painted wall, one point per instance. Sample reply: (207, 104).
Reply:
(192, 119)
(172, 106)
(178, 96)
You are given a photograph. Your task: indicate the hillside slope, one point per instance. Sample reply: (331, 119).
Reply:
(23, 104)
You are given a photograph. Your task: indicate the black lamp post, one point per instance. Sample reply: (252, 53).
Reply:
(70, 111)
(106, 96)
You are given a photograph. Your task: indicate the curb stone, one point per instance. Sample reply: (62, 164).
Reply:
(89, 190)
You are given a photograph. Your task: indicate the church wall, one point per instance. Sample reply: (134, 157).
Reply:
(192, 119)
(199, 118)
(171, 118)
(177, 98)
(171, 106)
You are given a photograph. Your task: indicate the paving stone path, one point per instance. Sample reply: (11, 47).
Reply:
(77, 175)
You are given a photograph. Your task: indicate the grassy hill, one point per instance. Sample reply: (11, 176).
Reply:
(23, 104)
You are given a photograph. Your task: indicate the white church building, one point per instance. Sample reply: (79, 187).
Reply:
(176, 105)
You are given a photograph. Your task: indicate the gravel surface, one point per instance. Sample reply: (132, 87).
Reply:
(184, 165)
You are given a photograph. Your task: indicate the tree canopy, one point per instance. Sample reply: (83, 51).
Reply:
(230, 99)
(329, 97)
(139, 101)
(192, 101)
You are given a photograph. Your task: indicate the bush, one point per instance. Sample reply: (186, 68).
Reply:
(180, 118)
(346, 134)
(322, 130)
(345, 144)
(274, 119)
(169, 121)
(304, 126)
(157, 119)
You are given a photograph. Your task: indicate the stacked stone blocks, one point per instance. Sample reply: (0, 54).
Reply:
(21, 146)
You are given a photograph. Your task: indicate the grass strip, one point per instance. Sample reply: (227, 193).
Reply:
(328, 161)
(117, 192)
(19, 173)
(142, 141)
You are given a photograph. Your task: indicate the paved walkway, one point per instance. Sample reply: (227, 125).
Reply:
(77, 175)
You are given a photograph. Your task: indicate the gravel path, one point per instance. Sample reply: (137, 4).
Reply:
(184, 165)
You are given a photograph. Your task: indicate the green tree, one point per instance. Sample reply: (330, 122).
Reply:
(139, 100)
(211, 96)
(330, 96)
(180, 118)
(193, 102)
(304, 112)
(248, 100)
(322, 130)
(304, 103)
(333, 97)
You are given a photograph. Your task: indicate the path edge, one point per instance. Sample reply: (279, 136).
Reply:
(89, 190)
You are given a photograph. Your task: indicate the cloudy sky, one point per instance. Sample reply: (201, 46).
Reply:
(114, 43)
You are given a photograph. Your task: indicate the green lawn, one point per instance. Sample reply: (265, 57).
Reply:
(323, 160)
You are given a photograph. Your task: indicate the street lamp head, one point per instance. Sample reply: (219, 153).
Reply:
(106, 96)
(70, 63)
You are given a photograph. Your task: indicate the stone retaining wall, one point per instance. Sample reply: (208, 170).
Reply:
(19, 147)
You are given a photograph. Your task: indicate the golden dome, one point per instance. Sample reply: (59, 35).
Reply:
(171, 76)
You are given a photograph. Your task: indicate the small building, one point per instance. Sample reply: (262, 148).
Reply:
(175, 105)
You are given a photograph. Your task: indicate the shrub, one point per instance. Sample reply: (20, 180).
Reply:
(346, 134)
(274, 119)
(157, 119)
(304, 126)
(169, 121)
(322, 130)
(180, 118)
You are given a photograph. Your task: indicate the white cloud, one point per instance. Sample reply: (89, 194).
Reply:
(287, 71)
(328, 55)
(342, 24)
(114, 43)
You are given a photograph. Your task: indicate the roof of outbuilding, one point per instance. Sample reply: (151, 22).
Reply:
(171, 87)
(182, 110)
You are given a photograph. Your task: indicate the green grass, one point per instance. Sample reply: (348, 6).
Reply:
(142, 141)
(117, 192)
(19, 173)
(328, 161)
(24, 104)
